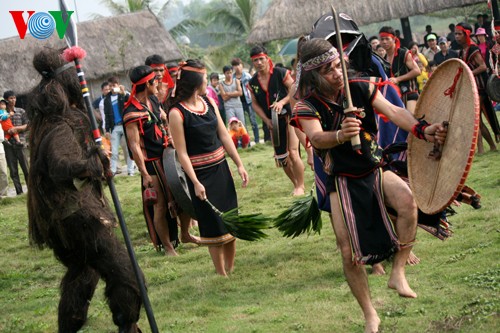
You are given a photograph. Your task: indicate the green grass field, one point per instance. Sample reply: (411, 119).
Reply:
(279, 284)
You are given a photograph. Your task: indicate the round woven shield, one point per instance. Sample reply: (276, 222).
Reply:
(449, 95)
(176, 179)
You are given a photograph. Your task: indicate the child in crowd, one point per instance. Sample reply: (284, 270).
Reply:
(238, 132)
(423, 77)
(7, 123)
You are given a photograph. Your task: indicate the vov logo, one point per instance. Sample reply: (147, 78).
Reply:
(41, 25)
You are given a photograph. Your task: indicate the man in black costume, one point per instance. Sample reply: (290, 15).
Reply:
(66, 205)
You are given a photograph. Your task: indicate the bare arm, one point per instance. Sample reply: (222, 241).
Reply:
(228, 144)
(413, 72)
(177, 131)
(478, 59)
(288, 83)
(405, 120)
(328, 139)
(225, 95)
(134, 139)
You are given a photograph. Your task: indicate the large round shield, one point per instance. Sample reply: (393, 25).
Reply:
(449, 95)
(176, 179)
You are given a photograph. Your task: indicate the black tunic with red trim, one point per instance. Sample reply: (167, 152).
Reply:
(152, 143)
(342, 160)
(207, 156)
(276, 90)
(399, 68)
(152, 140)
(357, 178)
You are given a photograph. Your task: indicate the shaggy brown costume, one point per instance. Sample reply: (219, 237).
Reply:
(66, 206)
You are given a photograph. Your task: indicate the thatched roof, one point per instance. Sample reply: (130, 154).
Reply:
(292, 18)
(113, 45)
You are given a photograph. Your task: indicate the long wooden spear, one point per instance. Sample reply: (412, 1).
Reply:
(72, 41)
(349, 111)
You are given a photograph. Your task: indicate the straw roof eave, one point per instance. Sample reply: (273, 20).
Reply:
(292, 18)
(113, 45)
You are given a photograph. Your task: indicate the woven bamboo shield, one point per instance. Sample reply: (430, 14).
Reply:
(449, 95)
(176, 179)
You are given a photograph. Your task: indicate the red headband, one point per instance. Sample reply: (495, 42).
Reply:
(466, 32)
(183, 67)
(396, 39)
(173, 69)
(260, 55)
(166, 75)
(132, 99)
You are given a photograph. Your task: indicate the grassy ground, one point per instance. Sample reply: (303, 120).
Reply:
(279, 284)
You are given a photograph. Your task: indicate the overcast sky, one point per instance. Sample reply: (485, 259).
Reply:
(84, 8)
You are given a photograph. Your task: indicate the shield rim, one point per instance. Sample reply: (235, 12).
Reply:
(182, 198)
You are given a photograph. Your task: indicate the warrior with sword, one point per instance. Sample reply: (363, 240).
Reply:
(358, 187)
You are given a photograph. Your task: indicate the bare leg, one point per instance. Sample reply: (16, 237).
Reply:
(355, 274)
(160, 222)
(398, 196)
(303, 141)
(411, 105)
(186, 237)
(487, 136)
(295, 163)
(218, 259)
(480, 146)
(229, 250)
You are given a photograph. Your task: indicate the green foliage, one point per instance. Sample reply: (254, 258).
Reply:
(246, 226)
(302, 216)
(279, 284)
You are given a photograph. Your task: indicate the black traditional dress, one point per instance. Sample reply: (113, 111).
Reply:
(152, 143)
(207, 156)
(357, 178)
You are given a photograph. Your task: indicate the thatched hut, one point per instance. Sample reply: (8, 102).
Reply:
(114, 45)
(292, 18)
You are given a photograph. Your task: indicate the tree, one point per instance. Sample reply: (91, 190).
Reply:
(230, 22)
(130, 6)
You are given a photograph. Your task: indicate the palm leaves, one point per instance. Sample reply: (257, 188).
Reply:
(247, 227)
(302, 216)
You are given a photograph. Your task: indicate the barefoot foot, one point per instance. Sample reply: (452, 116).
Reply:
(401, 286)
(170, 252)
(412, 259)
(298, 191)
(372, 324)
(378, 269)
(190, 239)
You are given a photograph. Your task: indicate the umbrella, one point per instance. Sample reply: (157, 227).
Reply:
(290, 48)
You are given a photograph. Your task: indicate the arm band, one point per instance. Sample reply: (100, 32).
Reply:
(419, 128)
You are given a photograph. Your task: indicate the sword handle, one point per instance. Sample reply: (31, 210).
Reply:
(355, 141)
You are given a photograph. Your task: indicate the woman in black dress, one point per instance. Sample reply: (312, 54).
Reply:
(201, 140)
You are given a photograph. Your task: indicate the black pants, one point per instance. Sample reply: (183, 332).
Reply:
(14, 154)
(91, 251)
